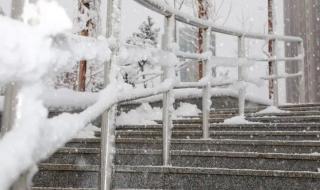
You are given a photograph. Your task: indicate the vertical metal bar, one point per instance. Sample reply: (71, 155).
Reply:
(9, 109)
(107, 124)
(301, 63)
(206, 95)
(168, 100)
(241, 67)
(275, 73)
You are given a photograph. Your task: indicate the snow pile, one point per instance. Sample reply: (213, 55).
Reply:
(272, 109)
(143, 115)
(186, 110)
(237, 120)
(146, 115)
(32, 42)
(88, 132)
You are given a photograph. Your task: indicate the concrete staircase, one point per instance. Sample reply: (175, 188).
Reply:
(279, 152)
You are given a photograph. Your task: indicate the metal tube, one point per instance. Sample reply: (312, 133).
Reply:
(107, 124)
(302, 85)
(206, 96)
(107, 149)
(275, 72)
(168, 96)
(242, 90)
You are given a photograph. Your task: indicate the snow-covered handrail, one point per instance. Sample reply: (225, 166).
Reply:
(164, 9)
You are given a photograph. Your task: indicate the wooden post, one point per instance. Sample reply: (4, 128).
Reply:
(83, 63)
(202, 14)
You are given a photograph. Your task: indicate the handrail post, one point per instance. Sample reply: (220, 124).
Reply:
(108, 134)
(168, 98)
(206, 94)
(301, 63)
(275, 73)
(241, 68)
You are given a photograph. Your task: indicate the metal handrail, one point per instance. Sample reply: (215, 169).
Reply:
(171, 15)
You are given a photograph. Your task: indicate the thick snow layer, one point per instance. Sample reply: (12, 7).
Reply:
(88, 132)
(237, 120)
(68, 99)
(272, 109)
(186, 109)
(143, 115)
(215, 92)
(146, 115)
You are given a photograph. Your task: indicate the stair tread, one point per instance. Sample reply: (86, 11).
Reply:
(312, 156)
(61, 188)
(216, 171)
(68, 167)
(222, 141)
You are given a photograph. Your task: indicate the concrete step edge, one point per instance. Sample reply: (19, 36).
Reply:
(222, 141)
(216, 171)
(68, 167)
(284, 156)
(61, 188)
(72, 150)
(236, 133)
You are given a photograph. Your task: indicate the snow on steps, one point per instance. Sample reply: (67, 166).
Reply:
(198, 164)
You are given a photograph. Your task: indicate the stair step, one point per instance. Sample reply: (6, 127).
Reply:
(60, 188)
(212, 178)
(213, 159)
(84, 143)
(67, 175)
(287, 119)
(271, 146)
(75, 156)
(228, 127)
(254, 135)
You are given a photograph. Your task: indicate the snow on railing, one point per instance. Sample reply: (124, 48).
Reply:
(52, 49)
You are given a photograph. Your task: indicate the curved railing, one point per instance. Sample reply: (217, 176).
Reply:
(171, 15)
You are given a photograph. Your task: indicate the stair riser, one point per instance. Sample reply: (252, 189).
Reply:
(285, 120)
(220, 162)
(83, 145)
(236, 137)
(76, 159)
(258, 120)
(75, 179)
(210, 182)
(229, 128)
(223, 147)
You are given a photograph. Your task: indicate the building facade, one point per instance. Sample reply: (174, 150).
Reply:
(302, 18)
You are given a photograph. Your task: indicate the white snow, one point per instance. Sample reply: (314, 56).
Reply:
(186, 109)
(88, 132)
(143, 115)
(237, 120)
(272, 109)
(146, 115)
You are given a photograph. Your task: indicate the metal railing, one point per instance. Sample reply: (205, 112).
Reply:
(171, 16)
